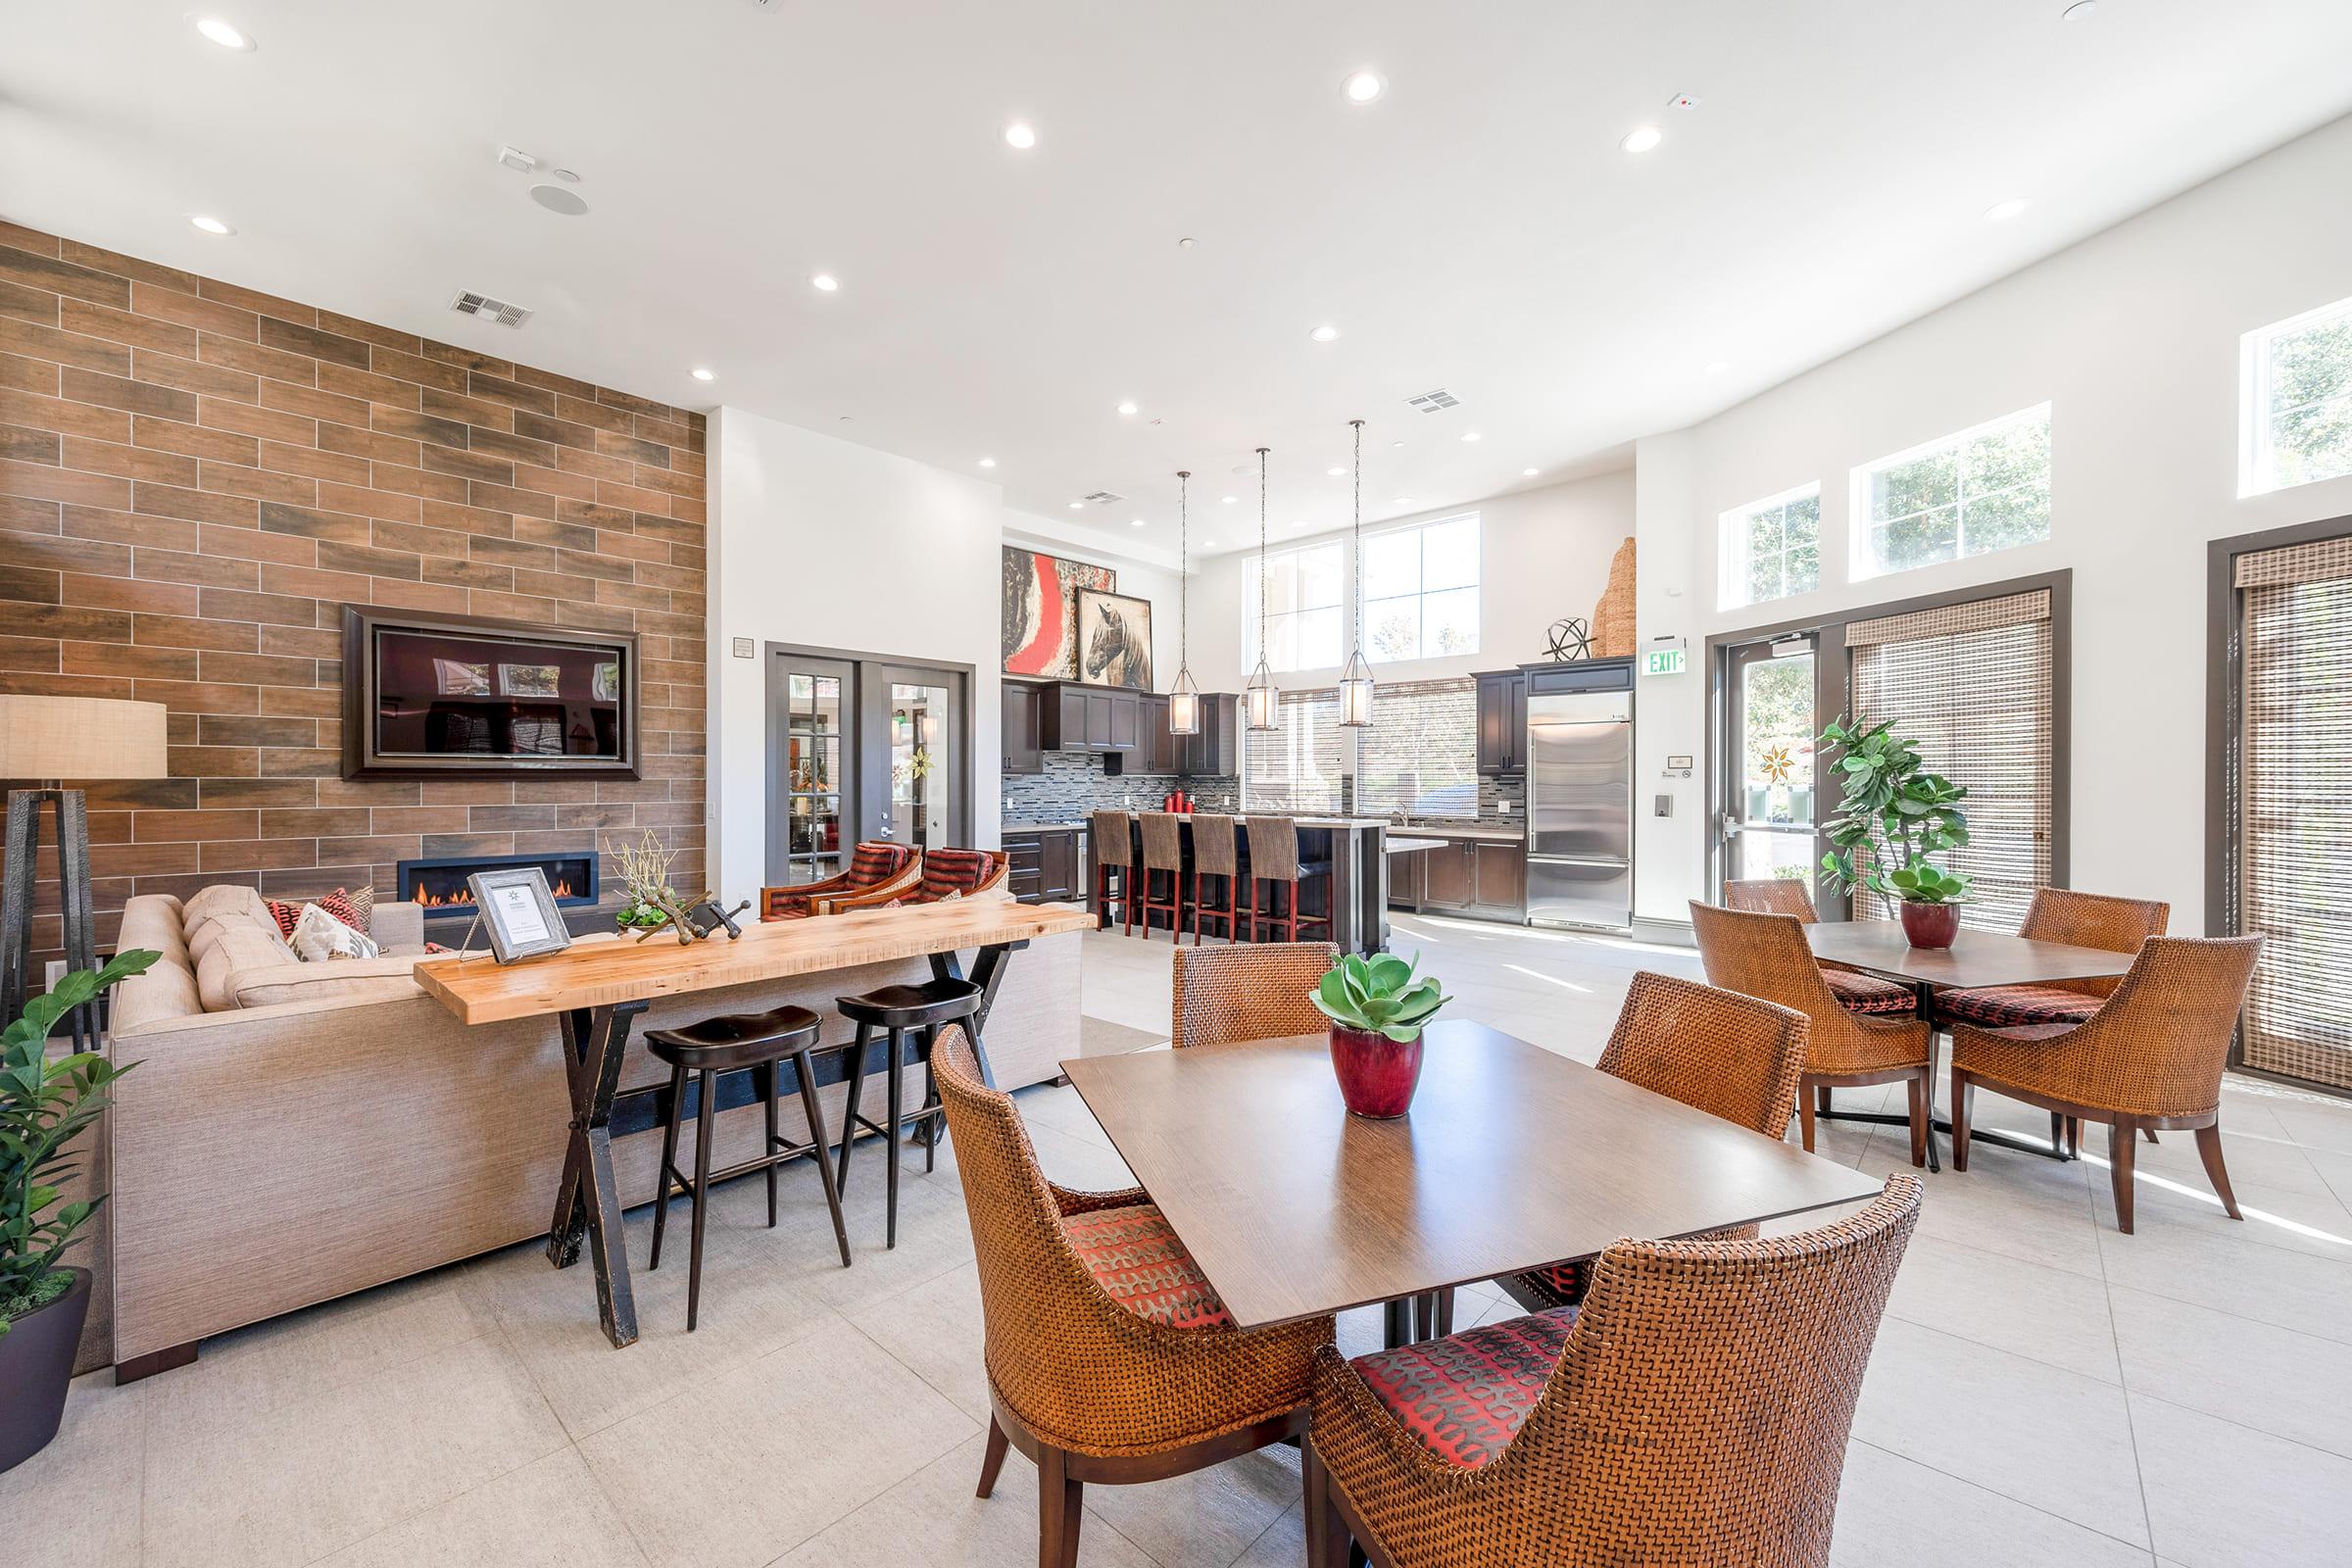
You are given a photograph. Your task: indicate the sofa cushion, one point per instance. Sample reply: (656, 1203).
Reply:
(165, 991)
(237, 947)
(226, 907)
(345, 980)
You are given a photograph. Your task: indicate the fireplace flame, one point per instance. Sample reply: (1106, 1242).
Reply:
(461, 899)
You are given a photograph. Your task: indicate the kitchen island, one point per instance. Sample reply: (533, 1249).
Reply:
(1355, 893)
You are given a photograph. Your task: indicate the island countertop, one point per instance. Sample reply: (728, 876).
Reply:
(600, 974)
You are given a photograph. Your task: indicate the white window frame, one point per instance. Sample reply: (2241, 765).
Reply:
(1731, 548)
(1862, 561)
(1477, 585)
(2257, 469)
(1275, 615)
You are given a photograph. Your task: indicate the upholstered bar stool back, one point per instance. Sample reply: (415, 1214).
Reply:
(1163, 867)
(1214, 855)
(1110, 843)
(1274, 864)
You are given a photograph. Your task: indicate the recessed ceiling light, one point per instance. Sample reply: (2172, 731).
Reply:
(1393, 445)
(1715, 368)
(1300, 523)
(1528, 472)
(988, 462)
(227, 34)
(825, 281)
(1403, 501)
(1337, 473)
(1643, 140)
(1365, 86)
(701, 374)
(2080, 11)
(1126, 408)
(1208, 544)
(1472, 435)
(1324, 334)
(1077, 506)
(211, 225)
(1228, 500)
(1021, 135)
(1134, 522)
(2002, 212)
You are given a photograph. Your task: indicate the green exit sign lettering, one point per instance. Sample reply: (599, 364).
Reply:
(1663, 661)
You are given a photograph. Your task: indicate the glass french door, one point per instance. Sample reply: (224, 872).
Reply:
(918, 788)
(1770, 814)
(813, 784)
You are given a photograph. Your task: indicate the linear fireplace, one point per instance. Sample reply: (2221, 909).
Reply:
(440, 884)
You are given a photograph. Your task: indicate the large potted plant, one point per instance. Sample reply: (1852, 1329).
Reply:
(1377, 1011)
(45, 1103)
(1894, 815)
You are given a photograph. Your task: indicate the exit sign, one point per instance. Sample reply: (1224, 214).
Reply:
(1663, 661)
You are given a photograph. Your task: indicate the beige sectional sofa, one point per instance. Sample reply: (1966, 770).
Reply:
(295, 1132)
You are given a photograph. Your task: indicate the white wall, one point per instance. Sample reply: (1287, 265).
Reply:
(819, 542)
(1544, 556)
(2133, 338)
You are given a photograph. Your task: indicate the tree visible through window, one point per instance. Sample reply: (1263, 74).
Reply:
(1983, 489)
(1421, 591)
(2298, 401)
(1771, 549)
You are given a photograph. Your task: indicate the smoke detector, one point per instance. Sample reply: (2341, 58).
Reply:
(482, 305)
(1433, 401)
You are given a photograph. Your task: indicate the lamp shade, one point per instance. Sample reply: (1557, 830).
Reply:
(82, 738)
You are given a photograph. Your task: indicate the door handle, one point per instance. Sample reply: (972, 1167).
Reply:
(1732, 826)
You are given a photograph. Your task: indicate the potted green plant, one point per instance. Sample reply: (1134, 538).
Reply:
(44, 1104)
(645, 880)
(1377, 1009)
(1894, 815)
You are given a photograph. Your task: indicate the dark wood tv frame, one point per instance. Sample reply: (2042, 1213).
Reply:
(361, 760)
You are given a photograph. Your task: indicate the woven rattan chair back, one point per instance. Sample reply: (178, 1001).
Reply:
(1729, 1055)
(1070, 1363)
(1212, 844)
(1771, 896)
(1273, 847)
(1766, 957)
(1163, 842)
(1110, 839)
(1257, 992)
(1698, 1414)
(2093, 920)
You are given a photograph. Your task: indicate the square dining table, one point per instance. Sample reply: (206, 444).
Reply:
(1512, 1157)
(1976, 959)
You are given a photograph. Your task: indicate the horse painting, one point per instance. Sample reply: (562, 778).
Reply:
(1114, 634)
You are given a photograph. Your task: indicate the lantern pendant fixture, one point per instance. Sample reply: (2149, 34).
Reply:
(1262, 699)
(1355, 679)
(1184, 698)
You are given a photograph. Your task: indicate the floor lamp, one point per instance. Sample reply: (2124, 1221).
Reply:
(57, 738)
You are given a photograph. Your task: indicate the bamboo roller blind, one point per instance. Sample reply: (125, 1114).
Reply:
(2294, 808)
(1972, 684)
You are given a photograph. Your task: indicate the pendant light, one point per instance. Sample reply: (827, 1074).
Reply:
(1184, 698)
(1261, 698)
(1355, 679)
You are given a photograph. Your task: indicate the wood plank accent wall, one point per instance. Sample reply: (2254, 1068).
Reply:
(196, 479)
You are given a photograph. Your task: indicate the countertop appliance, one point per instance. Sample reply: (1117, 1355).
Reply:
(1580, 799)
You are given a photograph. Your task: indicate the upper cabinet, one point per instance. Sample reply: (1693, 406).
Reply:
(1088, 718)
(1503, 723)
(1023, 752)
(1210, 751)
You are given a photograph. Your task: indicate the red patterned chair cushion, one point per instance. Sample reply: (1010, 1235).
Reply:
(1464, 1398)
(1134, 1255)
(1564, 1283)
(954, 871)
(2016, 1006)
(1866, 992)
(872, 863)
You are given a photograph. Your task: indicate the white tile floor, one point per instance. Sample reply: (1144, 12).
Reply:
(2044, 1391)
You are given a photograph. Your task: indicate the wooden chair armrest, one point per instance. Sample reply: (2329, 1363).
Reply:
(1070, 1200)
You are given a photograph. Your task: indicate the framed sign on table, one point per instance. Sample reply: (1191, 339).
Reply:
(518, 910)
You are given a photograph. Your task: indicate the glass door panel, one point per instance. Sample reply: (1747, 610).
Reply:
(1770, 816)
(812, 790)
(922, 756)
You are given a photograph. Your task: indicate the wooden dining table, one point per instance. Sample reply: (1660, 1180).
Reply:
(1512, 1157)
(1976, 959)
(596, 987)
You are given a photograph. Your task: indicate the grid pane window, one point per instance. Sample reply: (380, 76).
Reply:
(1420, 753)
(2298, 398)
(1421, 592)
(1305, 592)
(1297, 765)
(1983, 489)
(1772, 548)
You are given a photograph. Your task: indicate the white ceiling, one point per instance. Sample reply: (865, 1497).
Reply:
(1476, 228)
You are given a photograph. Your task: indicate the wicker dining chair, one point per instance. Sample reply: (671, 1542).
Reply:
(1110, 1358)
(876, 867)
(1728, 1056)
(1257, 992)
(2151, 1057)
(1695, 1409)
(1766, 956)
(1856, 990)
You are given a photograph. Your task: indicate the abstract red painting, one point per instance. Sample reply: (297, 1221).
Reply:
(1041, 611)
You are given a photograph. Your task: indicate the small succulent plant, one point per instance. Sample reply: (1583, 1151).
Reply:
(1377, 994)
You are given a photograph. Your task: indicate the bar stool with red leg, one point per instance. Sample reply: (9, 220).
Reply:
(1110, 845)
(1213, 855)
(1163, 857)
(1274, 865)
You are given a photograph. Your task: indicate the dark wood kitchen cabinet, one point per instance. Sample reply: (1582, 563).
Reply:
(1159, 750)
(1484, 878)
(1042, 865)
(1500, 879)
(1088, 718)
(1448, 878)
(1210, 751)
(1021, 749)
(1502, 723)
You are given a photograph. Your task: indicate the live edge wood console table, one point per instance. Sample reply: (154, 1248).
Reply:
(597, 988)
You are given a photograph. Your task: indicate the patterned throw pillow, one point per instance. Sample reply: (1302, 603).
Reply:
(319, 934)
(285, 914)
(355, 908)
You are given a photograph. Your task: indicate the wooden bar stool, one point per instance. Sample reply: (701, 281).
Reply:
(1213, 854)
(757, 1041)
(1274, 862)
(922, 1009)
(1110, 843)
(1163, 852)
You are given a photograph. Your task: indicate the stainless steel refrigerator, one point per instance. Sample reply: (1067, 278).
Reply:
(1580, 808)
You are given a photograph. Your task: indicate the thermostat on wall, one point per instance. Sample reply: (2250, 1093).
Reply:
(743, 647)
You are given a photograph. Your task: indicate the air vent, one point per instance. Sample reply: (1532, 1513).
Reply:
(1102, 497)
(483, 305)
(1433, 401)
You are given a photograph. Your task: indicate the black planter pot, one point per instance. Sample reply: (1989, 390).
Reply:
(36, 1363)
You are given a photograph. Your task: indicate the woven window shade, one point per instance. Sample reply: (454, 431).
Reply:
(1971, 683)
(2294, 809)
(1297, 768)
(1420, 754)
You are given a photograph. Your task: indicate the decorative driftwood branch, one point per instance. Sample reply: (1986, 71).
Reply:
(685, 921)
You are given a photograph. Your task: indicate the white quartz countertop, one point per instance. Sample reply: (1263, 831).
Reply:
(1042, 827)
(1456, 832)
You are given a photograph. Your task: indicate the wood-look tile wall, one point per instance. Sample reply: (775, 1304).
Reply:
(195, 479)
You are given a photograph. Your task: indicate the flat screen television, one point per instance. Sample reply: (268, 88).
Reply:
(432, 697)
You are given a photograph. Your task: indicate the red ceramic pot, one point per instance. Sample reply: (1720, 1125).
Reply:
(1377, 1075)
(1931, 925)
